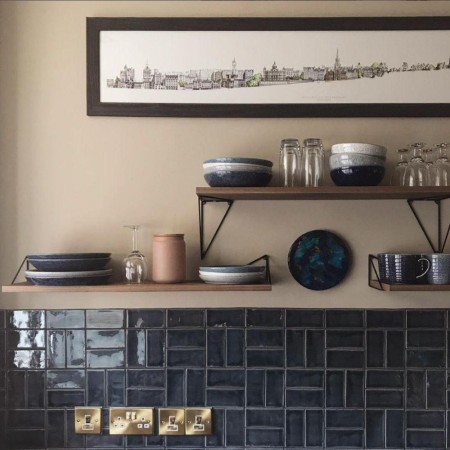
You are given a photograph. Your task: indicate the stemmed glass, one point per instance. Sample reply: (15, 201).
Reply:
(416, 171)
(428, 159)
(134, 266)
(398, 176)
(441, 167)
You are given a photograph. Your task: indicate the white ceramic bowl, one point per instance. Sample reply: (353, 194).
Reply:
(367, 149)
(355, 159)
(232, 274)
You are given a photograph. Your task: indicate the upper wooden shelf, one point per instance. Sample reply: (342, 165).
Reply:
(189, 286)
(325, 193)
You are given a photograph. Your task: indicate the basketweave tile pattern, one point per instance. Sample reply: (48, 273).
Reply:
(275, 378)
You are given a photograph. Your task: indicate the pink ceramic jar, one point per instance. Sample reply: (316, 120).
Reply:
(169, 258)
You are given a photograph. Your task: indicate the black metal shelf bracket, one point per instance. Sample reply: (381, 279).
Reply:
(440, 241)
(268, 278)
(373, 270)
(202, 202)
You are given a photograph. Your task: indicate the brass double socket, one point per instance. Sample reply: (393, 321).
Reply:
(189, 421)
(133, 421)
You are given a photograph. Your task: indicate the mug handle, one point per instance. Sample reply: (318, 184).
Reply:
(427, 269)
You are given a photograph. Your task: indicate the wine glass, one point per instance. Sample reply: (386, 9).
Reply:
(428, 159)
(398, 176)
(441, 167)
(416, 171)
(134, 266)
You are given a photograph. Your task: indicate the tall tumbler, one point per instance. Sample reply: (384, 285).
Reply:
(290, 158)
(313, 162)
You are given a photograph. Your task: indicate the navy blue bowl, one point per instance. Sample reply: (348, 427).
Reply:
(358, 175)
(227, 178)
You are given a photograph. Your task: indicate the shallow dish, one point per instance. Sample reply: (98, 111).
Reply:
(232, 274)
(228, 178)
(68, 255)
(67, 265)
(358, 176)
(356, 147)
(92, 277)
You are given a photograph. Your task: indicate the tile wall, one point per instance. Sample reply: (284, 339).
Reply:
(275, 378)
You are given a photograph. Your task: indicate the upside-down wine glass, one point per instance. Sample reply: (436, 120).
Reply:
(134, 266)
(398, 176)
(441, 167)
(416, 172)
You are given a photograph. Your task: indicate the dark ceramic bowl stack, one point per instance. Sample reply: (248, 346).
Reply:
(69, 269)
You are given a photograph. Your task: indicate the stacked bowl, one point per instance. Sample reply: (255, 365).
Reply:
(357, 164)
(233, 274)
(237, 172)
(69, 269)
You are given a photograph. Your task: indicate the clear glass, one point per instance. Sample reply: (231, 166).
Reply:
(290, 158)
(416, 171)
(398, 176)
(134, 266)
(441, 168)
(313, 162)
(428, 159)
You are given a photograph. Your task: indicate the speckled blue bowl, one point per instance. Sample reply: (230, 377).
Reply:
(228, 178)
(358, 176)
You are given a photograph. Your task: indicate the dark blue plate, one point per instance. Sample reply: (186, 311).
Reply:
(319, 260)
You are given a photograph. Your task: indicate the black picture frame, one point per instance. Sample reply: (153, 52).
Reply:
(95, 107)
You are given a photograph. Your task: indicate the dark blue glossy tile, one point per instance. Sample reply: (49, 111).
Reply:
(375, 348)
(314, 428)
(155, 348)
(315, 348)
(425, 439)
(186, 358)
(217, 439)
(221, 397)
(415, 389)
(355, 389)
(26, 319)
(2, 348)
(55, 428)
(155, 442)
(175, 387)
(26, 418)
(255, 387)
(385, 319)
(225, 317)
(264, 437)
(154, 378)
(75, 350)
(384, 399)
(274, 388)
(56, 349)
(426, 338)
(384, 379)
(226, 378)
(36, 388)
(270, 418)
(235, 348)
(345, 359)
(105, 318)
(146, 398)
(21, 439)
(304, 378)
(105, 339)
(265, 318)
(108, 441)
(135, 441)
(425, 319)
(186, 338)
(295, 348)
(345, 438)
(105, 359)
(345, 418)
(395, 349)
(136, 348)
(2, 379)
(2, 398)
(115, 387)
(146, 318)
(374, 429)
(66, 398)
(265, 358)
(95, 388)
(344, 318)
(304, 318)
(185, 318)
(335, 384)
(2, 320)
(265, 338)
(425, 358)
(345, 338)
(435, 389)
(295, 428)
(235, 436)
(195, 387)
(66, 319)
(26, 339)
(26, 359)
(185, 441)
(2, 426)
(304, 398)
(66, 379)
(16, 384)
(216, 348)
(425, 419)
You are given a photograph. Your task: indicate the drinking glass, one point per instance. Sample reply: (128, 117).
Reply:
(313, 158)
(398, 176)
(441, 167)
(290, 158)
(416, 171)
(428, 159)
(134, 266)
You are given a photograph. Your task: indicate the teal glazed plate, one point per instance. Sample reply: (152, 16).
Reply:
(319, 260)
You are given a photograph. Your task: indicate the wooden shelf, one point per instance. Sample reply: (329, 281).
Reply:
(409, 287)
(189, 286)
(325, 193)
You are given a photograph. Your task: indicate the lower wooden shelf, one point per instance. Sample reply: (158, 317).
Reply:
(408, 287)
(145, 287)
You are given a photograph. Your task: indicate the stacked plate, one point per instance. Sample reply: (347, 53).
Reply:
(233, 274)
(69, 269)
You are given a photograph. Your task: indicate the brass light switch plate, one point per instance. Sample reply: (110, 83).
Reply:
(131, 421)
(88, 420)
(171, 422)
(198, 421)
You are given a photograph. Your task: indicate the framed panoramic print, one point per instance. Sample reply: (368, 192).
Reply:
(269, 67)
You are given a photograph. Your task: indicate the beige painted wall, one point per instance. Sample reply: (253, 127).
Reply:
(69, 182)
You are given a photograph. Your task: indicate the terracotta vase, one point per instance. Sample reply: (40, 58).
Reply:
(169, 258)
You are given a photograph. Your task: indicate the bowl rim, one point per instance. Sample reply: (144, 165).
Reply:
(244, 160)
